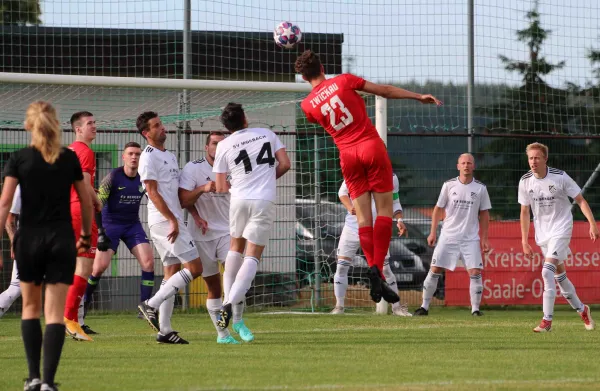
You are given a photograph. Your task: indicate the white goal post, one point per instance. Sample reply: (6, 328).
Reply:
(118, 100)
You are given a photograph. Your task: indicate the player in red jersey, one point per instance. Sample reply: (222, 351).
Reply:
(84, 127)
(340, 110)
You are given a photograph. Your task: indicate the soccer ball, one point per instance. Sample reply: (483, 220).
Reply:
(287, 35)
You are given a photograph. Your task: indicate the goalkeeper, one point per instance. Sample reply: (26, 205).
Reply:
(120, 193)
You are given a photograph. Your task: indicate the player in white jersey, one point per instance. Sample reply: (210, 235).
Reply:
(211, 235)
(159, 173)
(546, 191)
(349, 244)
(467, 203)
(250, 156)
(13, 292)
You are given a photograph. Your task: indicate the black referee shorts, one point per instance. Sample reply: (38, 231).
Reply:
(46, 254)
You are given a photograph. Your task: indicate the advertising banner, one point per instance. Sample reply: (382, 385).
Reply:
(511, 279)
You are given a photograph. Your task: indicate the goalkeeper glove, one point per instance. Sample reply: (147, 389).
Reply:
(103, 240)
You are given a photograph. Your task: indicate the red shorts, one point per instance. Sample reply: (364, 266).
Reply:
(367, 167)
(76, 221)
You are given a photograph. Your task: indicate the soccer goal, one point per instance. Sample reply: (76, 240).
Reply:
(300, 259)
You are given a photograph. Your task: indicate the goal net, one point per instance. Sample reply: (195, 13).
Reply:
(299, 262)
(536, 77)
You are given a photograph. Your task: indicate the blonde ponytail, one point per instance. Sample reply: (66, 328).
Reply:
(46, 134)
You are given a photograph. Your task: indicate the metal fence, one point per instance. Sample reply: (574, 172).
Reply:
(300, 261)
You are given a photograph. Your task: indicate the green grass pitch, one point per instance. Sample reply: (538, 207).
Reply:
(449, 350)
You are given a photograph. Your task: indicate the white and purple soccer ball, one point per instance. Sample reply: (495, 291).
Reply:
(287, 35)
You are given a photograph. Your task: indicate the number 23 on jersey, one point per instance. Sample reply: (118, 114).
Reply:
(339, 115)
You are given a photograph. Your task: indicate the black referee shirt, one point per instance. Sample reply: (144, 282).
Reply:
(45, 188)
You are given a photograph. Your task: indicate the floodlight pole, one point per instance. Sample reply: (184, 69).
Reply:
(185, 108)
(317, 221)
(471, 74)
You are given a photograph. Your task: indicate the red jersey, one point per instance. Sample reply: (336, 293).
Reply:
(87, 159)
(340, 110)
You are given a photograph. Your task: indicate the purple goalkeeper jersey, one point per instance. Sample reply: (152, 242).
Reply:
(121, 196)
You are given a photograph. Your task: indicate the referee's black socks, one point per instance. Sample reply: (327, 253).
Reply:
(54, 339)
(31, 330)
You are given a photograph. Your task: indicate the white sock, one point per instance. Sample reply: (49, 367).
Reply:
(549, 290)
(238, 311)
(12, 293)
(233, 262)
(243, 280)
(177, 281)
(165, 312)
(80, 311)
(429, 287)
(340, 282)
(390, 278)
(568, 291)
(213, 306)
(476, 289)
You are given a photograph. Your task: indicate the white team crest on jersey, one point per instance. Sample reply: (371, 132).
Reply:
(552, 189)
(473, 195)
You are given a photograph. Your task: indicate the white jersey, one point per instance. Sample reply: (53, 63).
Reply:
(462, 203)
(212, 207)
(15, 208)
(352, 221)
(548, 198)
(249, 155)
(162, 167)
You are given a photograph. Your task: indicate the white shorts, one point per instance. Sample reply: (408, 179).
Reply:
(448, 251)
(182, 251)
(350, 243)
(557, 248)
(211, 252)
(251, 220)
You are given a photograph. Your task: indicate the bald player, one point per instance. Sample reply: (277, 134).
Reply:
(466, 203)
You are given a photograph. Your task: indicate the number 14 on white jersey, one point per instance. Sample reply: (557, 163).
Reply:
(249, 156)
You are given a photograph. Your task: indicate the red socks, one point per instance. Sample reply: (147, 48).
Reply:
(365, 235)
(74, 297)
(382, 235)
(375, 241)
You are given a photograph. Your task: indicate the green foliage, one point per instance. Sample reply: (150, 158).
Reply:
(534, 107)
(20, 12)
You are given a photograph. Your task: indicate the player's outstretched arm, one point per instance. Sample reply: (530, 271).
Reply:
(392, 92)
(525, 219)
(587, 212)
(284, 163)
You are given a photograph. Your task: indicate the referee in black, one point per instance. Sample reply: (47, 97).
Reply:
(45, 243)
